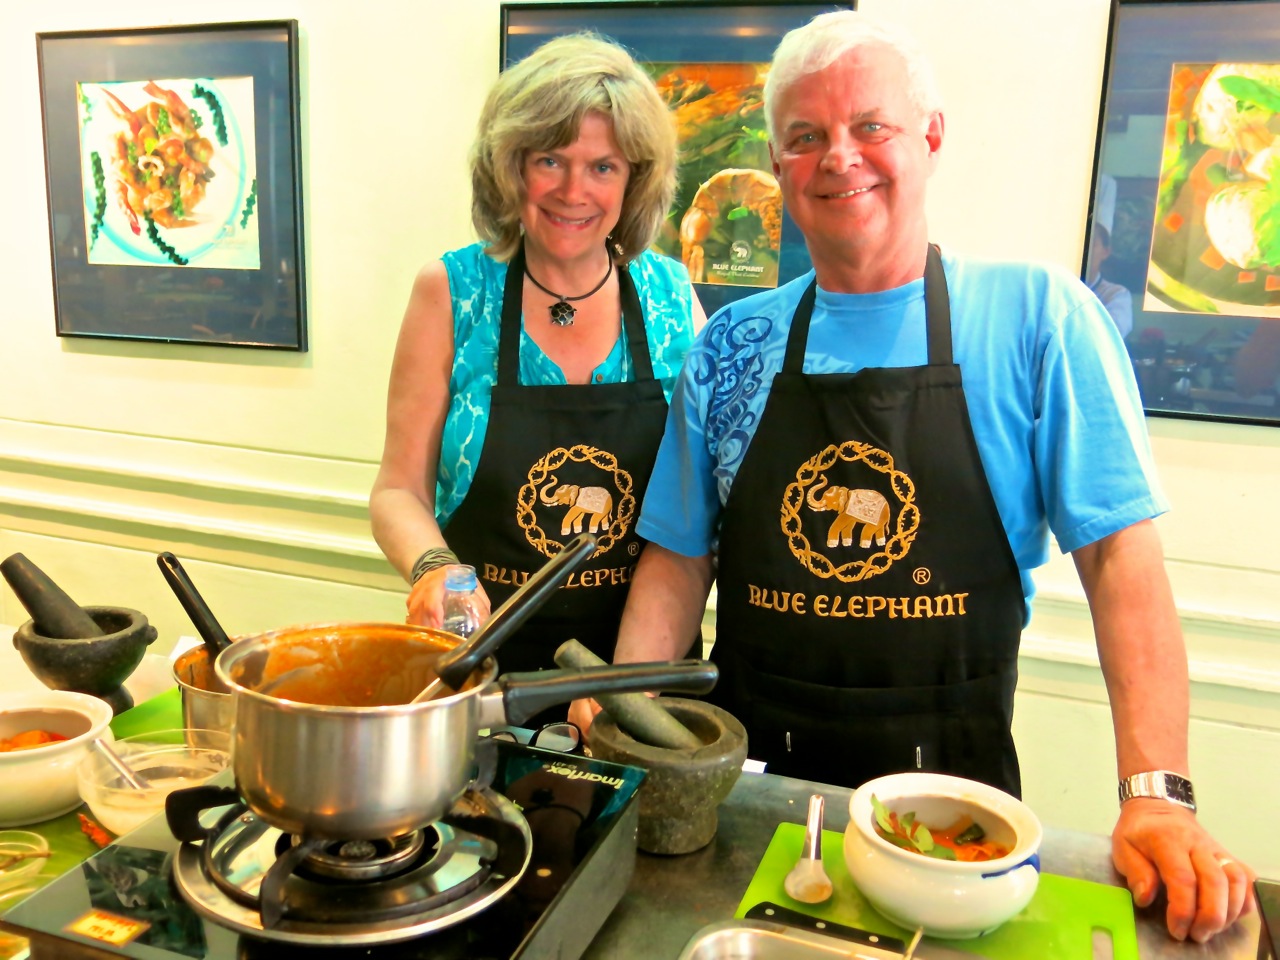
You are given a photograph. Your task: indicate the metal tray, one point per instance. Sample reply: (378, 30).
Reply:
(765, 940)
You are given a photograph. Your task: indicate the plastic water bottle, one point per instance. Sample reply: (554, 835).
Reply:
(461, 607)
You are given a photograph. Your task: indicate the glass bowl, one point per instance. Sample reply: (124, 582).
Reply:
(22, 856)
(164, 761)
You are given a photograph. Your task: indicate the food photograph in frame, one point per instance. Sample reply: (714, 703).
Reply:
(1183, 244)
(709, 61)
(173, 166)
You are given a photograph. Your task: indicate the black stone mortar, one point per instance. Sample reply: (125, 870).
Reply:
(97, 665)
(684, 788)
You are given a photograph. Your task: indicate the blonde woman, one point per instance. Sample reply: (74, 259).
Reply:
(533, 369)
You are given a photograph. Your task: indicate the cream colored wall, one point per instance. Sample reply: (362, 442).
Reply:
(253, 466)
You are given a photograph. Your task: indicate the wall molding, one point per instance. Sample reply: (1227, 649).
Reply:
(242, 497)
(260, 506)
(199, 524)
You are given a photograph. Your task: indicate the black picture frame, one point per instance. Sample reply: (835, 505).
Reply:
(228, 271)
(1205, 340)
(654, 31)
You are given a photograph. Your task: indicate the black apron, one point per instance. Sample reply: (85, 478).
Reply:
(558, 461)
(869, 604)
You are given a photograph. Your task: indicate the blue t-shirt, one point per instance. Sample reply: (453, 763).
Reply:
(475, 289)
(1050, 391)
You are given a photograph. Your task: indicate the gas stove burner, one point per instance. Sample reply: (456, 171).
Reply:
(361, 859)
(257, 880)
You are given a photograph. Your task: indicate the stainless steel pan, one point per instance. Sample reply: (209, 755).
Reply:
(335, 768)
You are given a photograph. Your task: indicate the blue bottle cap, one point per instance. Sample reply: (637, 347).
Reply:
(460, 577)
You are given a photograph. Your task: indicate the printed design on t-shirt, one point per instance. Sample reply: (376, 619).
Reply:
(583, 489)
(729, 360)
(874, 506)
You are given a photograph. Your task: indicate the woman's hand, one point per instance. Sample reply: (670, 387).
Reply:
(426, 600)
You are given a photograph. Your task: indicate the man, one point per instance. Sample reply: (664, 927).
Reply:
(1116, 298)
(872, 520)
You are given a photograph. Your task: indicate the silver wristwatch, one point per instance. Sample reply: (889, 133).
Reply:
(1160, 784)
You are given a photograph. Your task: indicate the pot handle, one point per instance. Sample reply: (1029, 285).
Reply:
(182, 809)
(526, 694)
(456, 666)
(211, 632)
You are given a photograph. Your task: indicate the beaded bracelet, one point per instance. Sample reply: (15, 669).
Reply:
(430, 560)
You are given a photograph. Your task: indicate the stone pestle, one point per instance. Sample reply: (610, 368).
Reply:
(640, 716)
(54, 614)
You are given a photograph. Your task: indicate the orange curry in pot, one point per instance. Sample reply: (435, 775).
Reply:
(349, 670)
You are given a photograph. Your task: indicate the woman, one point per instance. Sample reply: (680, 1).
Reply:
(532, 373)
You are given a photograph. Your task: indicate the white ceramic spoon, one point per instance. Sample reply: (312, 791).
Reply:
(808, 881)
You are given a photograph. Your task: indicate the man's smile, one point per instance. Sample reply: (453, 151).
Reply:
(845, 194)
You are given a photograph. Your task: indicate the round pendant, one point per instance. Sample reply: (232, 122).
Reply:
(562, 314)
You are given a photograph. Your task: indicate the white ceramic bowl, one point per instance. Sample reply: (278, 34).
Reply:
(40, 782)
(948, 898)
(164, 760)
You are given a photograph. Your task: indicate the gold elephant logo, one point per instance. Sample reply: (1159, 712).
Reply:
(605, 507)
(595, 503)
(889, 520)
(853, 507)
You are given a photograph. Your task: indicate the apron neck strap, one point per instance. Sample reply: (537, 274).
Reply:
(937, 308)
(509, 335)
(937, 312)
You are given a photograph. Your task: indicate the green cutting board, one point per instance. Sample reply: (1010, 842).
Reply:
(1058, 922)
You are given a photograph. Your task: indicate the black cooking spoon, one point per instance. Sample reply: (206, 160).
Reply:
(215, 638)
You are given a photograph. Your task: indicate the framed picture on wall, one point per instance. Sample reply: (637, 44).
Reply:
(1183, 243)
(710, 61)
(173, 163)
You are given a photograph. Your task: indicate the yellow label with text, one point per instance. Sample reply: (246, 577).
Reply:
(107, 927)
(858, 606)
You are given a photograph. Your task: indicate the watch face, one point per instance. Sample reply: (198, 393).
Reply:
(1179, 788)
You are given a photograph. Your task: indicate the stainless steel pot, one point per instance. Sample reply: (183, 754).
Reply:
(340, 753)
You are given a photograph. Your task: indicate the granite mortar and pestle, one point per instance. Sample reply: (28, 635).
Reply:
(692, 750)
(69, 647)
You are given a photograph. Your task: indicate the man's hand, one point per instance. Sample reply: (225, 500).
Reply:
(583, 714)
(1208, 890)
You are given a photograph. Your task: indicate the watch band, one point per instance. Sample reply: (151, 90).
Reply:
(1161, 785)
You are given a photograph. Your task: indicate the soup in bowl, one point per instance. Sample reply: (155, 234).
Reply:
(974, 864)
(48, 732)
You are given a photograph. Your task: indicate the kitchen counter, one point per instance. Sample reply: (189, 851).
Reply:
(671, 898)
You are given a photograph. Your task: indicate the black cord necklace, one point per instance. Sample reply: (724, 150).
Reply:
(561, 313)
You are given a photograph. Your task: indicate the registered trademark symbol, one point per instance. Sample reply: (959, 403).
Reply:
(921, 575)
(633, 548)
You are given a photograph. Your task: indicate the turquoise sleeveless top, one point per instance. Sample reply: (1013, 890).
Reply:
(475, 290)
